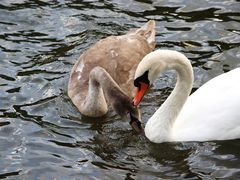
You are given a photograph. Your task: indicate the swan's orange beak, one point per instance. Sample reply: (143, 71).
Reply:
(140, 93)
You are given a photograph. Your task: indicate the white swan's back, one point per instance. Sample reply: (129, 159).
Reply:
(212, 112)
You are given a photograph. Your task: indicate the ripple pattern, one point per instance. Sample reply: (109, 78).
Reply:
(43, 136)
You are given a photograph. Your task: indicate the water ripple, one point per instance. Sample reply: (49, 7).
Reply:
(42, 133)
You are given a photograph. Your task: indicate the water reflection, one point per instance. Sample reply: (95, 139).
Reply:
(43, 135)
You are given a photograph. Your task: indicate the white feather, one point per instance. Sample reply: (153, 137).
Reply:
(210, 113)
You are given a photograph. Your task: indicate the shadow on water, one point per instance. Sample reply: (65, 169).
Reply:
(42, 134)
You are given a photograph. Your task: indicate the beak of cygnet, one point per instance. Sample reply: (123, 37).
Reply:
(136, 124)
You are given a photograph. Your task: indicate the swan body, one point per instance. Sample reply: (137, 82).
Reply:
(103, 75)
(210, 113)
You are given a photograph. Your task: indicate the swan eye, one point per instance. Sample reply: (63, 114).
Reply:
(137, 84)
(141, 79)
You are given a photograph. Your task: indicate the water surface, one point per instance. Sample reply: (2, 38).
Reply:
(43, 136)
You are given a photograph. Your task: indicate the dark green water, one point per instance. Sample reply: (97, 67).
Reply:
(43, 136)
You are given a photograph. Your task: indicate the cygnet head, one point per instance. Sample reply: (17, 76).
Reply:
(123, 106)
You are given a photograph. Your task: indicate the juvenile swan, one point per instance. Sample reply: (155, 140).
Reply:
(103, 75)
(210, 113)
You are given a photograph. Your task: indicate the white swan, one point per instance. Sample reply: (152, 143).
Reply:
(210, 113)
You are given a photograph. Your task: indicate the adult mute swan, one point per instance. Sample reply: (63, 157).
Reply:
(210, 113)
(103, 75)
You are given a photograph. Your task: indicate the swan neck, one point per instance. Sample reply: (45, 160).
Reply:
(176, 100)
(163, 119)
(101, 79)
(95, 103)
(102, 89)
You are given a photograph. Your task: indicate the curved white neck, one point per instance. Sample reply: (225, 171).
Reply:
(158, 128)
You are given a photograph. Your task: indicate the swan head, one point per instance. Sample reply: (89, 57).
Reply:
(135, 121)
(156, 62)
(146, 73)
(123, 107)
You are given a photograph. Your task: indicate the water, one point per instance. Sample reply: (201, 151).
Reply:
(43, 136)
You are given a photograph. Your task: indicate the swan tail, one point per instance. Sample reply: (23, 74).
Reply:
(148, 32)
